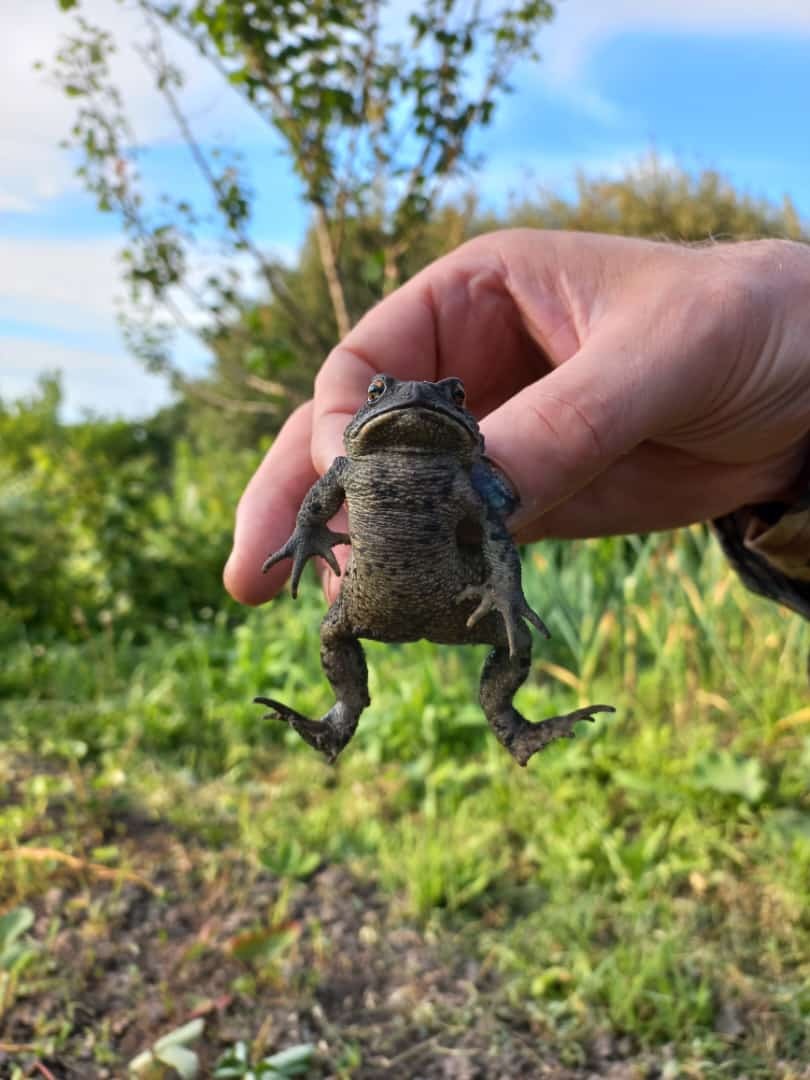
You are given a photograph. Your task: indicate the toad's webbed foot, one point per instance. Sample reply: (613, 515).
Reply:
(510, 603)
(345, 667)
(501, 678)
(329, 735)
(523, 739)
(305, 542)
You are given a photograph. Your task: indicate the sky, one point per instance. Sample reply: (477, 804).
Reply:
(721, 84)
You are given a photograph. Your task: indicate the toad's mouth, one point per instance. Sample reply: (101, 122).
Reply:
(420, 428)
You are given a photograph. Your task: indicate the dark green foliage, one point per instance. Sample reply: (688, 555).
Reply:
(108, 522)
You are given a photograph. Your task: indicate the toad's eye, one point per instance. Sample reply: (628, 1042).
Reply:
(376, 389)
(458, 395)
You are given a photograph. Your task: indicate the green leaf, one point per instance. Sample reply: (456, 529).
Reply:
(730, 774)
(373, 266)
(181, 1036)
(140, 1065)
(233, 1063)
(184, 1061)
(294, 1061)
(171, 1050)
(14, 924)
(790, 823)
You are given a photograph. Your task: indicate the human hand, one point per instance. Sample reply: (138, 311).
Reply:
(624, 385)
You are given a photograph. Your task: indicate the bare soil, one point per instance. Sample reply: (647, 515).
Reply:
(325, 961)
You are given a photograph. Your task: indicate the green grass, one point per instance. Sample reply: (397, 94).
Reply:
(649, 880)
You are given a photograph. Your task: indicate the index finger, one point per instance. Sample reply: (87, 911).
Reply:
(265, 517)
(398, 337)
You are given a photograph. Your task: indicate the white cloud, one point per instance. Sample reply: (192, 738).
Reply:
(107, 382)
(35, 116)
(582, 26)
(69, 287)
(72, 284)
(64, 284)
(15, 204)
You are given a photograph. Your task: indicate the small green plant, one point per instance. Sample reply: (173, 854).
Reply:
(236, 1063)
(170, 1056)
(16, 952)
(288, 858)
(730, 774)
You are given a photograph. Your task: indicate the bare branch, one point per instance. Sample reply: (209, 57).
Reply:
(268, 269)
(213, 397)
(269, 386)
(333, 282)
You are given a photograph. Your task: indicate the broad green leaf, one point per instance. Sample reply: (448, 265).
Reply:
(731, 774)
(184, 1061)
(294, 1061)
(233, 1063)
(181, 1036)
(15, 923)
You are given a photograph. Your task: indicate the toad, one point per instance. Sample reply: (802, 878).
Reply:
(431, 557)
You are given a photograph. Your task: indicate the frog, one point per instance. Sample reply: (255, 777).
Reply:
(431, 558)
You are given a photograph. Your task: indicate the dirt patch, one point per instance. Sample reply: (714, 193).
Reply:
(322, 961)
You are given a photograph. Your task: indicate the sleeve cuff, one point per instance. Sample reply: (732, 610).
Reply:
(785, 544)
(769, 546)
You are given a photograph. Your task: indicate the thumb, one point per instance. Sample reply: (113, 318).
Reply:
(562, 431)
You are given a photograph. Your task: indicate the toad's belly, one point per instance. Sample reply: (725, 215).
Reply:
(411, 550)
(403, 590)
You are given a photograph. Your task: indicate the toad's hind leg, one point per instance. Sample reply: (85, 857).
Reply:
(500, 680)
(345, 666)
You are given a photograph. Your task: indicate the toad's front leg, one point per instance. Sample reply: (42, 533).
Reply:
(502, 589)
(312, 536)
(345, 666)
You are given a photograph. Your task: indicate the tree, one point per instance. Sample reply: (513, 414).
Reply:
(374, 127)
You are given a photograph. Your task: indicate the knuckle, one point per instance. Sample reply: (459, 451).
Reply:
(574, 430)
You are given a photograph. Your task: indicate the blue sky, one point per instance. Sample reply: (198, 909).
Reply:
(721, 84)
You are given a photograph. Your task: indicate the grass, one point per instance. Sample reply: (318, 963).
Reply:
(645, 885)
